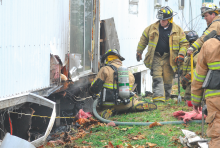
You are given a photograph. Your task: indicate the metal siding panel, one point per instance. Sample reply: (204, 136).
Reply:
(25, 43)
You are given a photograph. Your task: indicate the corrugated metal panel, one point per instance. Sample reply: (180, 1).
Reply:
(29, 31)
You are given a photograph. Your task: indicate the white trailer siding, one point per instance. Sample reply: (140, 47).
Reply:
(29, 31)
(131, 26)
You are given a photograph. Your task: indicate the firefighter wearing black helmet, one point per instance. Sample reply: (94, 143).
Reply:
(106, 85)
(167, 46)
(191, 36)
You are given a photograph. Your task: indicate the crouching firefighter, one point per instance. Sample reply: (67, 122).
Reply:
(207, 77)
(191, 36)
(113, 82)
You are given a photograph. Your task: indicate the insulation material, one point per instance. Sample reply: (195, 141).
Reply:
(187, 116)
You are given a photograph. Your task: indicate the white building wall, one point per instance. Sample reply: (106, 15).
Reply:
(29, 31)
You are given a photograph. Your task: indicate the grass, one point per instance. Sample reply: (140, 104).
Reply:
(165, 136)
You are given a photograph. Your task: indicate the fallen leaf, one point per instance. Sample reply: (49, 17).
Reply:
(117, 128)
(170, 130)
(129, 146)
(151, 145)
(185, 125)
(111, 124)
(84, 142)
(42, 146)
(152, 137)
(155, 124)
(140, 136)
(162, 134)
(135, 138)
(102, 124)
(110, 145)
(50, 144)
(102, 140)
(90, 143)
(56, 142)
(119, 146)
(82, 121)
(174, 138)
(124, 129)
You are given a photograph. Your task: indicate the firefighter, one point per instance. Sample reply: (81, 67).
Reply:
(191, 36)
(108, 86)
(210, 12)
(167, 46)
(206, 77)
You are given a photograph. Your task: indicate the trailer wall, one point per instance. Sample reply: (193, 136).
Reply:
(29, 31)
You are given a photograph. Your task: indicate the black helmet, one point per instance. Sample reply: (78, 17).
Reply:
(111, 52)
(191, 36)
(165, 13)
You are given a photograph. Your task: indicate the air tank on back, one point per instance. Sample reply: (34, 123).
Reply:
(123, 82)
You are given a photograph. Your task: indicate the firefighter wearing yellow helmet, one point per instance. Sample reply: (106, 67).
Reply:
(210, 12)
(167, 46)
(114, 84)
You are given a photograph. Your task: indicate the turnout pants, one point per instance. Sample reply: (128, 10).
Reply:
(162, 77)
(121, 107)
(213, 120)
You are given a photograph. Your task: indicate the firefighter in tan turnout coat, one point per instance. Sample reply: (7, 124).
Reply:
(207, 79)
(104, 83)
(210, 12)
(167, 46)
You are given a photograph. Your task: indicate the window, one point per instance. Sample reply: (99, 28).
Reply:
(81, 32)
(206, 1)
(133, 6)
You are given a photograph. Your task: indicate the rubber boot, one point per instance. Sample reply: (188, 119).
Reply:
(144, 106)
(108, 113)
(159, 99)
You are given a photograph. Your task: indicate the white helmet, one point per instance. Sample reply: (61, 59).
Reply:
(209, 7)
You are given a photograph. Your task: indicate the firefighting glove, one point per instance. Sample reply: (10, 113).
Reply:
(183, 84)
(139, 56)
(190, 50)
(180, 58)
(186, 79)
(204, 110)
(96, 87)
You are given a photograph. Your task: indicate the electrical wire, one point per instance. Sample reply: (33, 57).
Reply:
(192, 20)
(185, 22)
(194, 28)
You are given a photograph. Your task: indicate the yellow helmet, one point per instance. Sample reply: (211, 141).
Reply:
(209, 7)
